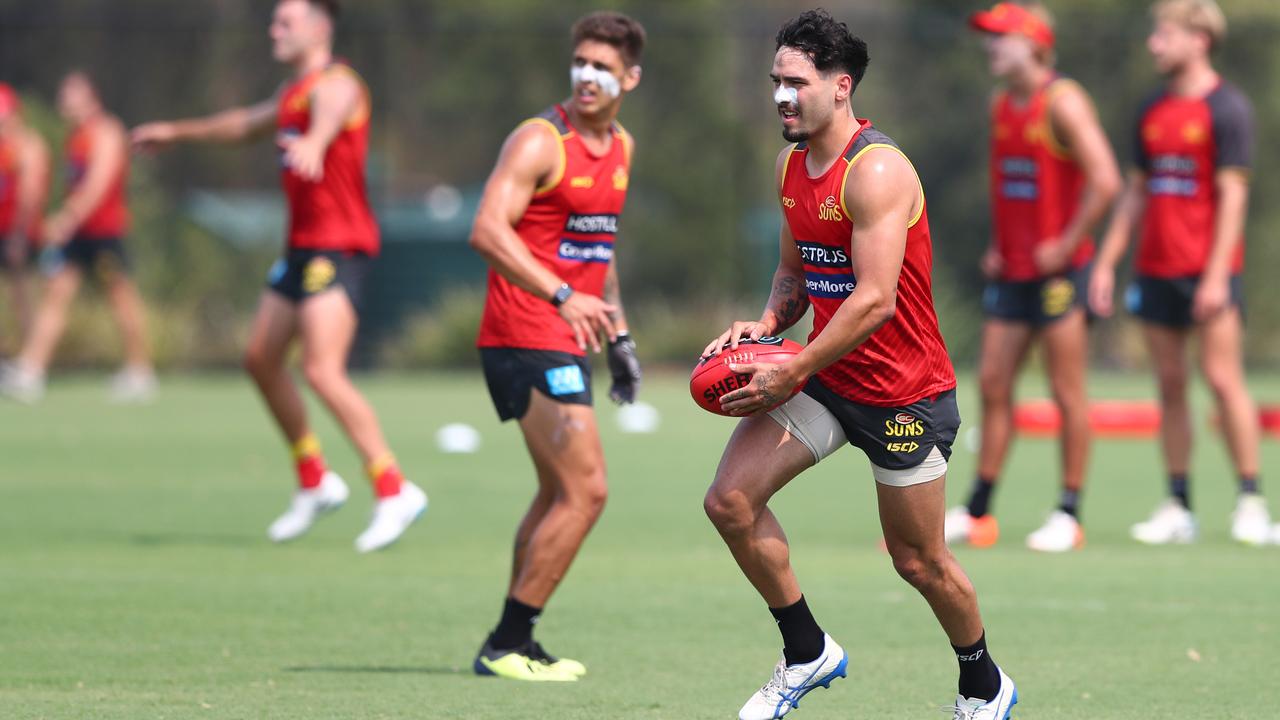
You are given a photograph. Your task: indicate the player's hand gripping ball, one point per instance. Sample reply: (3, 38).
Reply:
(712, 377)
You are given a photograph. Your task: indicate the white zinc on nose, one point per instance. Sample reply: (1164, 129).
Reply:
(784, 95)
(607, 83)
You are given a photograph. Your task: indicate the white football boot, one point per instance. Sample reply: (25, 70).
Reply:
(133, 385)
(391, 517)
(998, 708)
(1251, 521)
(1060, 533)
(21, 384)
(307, 506)
(956, 525)
(789, 683)
(1170, 523)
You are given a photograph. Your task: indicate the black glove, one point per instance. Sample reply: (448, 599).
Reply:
(624, 366)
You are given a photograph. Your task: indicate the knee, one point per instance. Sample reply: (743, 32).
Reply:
(1222, 380)
(589, 493)
(996, 388)
(1172, 384)
(256, 362)
(729, 511)
(322, 377)
(925, 572)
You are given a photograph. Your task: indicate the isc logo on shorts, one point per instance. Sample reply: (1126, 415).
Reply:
(566, 380)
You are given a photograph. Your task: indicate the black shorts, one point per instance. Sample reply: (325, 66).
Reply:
(1036, 302)
(1167, 301)
(513, 373)
(301, 274)
(101, 257)
(894, 438)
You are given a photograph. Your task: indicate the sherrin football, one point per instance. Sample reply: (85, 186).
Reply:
(712, 377)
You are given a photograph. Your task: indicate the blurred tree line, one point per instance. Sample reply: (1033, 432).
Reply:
(451, 78)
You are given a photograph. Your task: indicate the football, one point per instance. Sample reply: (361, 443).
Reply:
(712, 377)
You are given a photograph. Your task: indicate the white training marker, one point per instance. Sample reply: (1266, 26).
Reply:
(458, 438)
(973, 440)
(638, 417)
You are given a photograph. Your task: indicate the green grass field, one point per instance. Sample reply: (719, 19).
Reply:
(136, 581)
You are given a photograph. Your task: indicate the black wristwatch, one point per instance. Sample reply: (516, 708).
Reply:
(561, 295)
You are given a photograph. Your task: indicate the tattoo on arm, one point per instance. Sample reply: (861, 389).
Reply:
(788, 301)
(612, 293)
(767, 395)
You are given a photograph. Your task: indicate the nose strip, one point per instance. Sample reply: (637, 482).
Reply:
(784, 95)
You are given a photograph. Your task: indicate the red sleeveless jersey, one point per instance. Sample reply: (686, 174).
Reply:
(1035, 183)
(1181, 143)
(570, 227)
(10, 179)
(334, 213)
(8, 186)
(906, 359)
(111, 218)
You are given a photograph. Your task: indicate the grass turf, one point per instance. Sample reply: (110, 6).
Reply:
(136, 581)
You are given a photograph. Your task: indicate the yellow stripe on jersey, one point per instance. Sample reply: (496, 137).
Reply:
(558, 175)
(919, 211)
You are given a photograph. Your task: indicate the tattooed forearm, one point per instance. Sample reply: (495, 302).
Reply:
(612, 294)
(788, 301)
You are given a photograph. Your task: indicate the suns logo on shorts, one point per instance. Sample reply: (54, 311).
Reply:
(903, 425)
(1057, 296)
(318, 275)
(829, 210)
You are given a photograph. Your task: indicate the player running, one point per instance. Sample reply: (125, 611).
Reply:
(321, 120)
(24, 186)
(86, 237)
(546, 225)
(855, 245)
(1187, 195)
(1053, 176)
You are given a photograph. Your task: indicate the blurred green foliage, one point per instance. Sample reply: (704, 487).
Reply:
(450, 79)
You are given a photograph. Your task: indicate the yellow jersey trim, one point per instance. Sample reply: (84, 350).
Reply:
(786, 165)
(863, 151)
(554, 181)
(1056, 148)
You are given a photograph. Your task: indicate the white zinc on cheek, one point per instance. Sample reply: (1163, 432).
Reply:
(784, 95)
(607, 83)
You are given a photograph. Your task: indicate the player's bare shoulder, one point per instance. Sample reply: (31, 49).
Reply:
(882, 180)
(534, 149)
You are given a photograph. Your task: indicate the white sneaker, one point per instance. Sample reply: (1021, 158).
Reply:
(391, 517)
(956, 525)
(133, 385)
(1251, 521)
(1060, 533)
(1170, 523)
(20, 384)
(307, 506)
(998, 708)
(789, 683)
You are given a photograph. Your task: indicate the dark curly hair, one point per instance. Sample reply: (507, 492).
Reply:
(827, 42)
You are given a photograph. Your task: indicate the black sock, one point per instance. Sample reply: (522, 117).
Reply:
(1248, 484)
(802, 639)
(1179, 489)
(1069, 502)
(979, 677)
(516, 626)
(980, 498)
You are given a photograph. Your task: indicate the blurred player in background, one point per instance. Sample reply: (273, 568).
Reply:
(855, 245)
(546, 225)
(1187, 198)
(86, 236)
(321, 121)
(24, 187)
(1053, 176)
